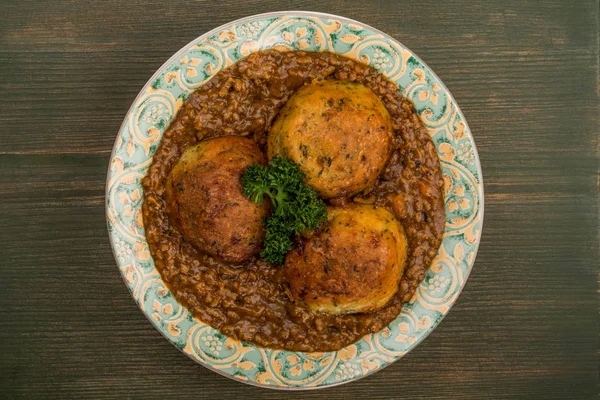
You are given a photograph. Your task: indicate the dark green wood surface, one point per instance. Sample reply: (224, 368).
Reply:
(524, 73)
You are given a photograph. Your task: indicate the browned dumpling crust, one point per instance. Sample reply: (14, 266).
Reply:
(353, 265)
(204, 199)
(339, 132)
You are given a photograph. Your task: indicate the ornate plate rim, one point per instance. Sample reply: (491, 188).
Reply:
(294, 13)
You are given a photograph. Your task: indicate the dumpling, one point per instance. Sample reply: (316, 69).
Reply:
(339, 133)
(204, 199)
(354, 264)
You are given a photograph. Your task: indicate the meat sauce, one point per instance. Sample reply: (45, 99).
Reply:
(252, 302)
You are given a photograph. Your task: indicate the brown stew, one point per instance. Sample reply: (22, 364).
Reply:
(252, 302)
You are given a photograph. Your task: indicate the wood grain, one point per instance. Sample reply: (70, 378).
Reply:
(526, 77)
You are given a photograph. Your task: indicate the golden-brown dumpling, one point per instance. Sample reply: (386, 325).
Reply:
(204, 198)
(354, 264)
(339, 133)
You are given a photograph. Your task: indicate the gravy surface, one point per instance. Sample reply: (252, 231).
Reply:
(252, 302)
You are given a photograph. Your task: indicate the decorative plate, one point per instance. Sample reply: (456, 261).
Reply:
(194, 65)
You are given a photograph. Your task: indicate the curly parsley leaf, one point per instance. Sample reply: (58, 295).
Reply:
(296, 206)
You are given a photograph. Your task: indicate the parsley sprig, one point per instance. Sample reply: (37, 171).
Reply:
(296, 206)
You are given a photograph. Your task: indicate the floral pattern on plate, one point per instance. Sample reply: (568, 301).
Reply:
(165, 93)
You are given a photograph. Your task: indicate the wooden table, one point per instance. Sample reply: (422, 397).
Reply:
(526, 77)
